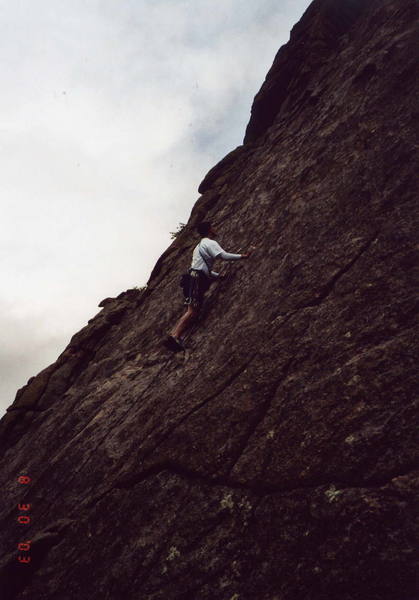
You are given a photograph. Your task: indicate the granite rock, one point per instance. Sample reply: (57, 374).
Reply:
(276, 458)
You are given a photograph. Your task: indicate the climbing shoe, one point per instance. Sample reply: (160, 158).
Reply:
(173, 343)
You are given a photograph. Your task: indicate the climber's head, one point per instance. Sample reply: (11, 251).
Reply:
(205, 229)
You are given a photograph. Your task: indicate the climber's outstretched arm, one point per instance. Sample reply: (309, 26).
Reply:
(228, 255)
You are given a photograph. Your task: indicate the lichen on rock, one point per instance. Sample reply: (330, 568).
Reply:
(277, 457)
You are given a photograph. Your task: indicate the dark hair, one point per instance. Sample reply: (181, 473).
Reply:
(204, 228)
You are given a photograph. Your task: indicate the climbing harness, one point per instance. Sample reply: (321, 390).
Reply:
(195, 283)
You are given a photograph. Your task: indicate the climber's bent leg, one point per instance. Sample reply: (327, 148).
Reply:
(184, 321)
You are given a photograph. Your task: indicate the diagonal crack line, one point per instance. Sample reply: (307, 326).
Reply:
(258, 489)
(261, 415)
(224, 386)
(183, 472)
(197, 407)
(62, 489)
(327, 288)
(167, 434)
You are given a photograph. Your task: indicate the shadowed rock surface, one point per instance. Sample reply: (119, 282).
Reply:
(276, 458)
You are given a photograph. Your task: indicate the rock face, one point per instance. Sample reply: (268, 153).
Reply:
(275, 458)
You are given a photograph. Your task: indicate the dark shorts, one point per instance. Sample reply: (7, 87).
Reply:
(198, 285)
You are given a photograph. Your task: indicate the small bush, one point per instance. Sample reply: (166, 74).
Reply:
(180, 228)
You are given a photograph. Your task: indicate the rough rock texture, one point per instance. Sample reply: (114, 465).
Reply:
(275, 459)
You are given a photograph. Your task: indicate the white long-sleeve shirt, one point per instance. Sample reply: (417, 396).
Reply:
(210, 250)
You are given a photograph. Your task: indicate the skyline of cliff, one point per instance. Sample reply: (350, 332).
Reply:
(275, 458)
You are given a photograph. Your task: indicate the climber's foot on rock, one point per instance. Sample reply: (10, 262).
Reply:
(173, 343)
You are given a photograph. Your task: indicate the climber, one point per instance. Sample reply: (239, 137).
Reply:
(199, 280)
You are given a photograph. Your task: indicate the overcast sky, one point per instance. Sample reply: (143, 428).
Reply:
(111, 113)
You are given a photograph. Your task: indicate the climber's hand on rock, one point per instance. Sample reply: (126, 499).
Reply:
(248, 253)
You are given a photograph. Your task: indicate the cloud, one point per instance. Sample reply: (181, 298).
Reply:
(111, 114)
